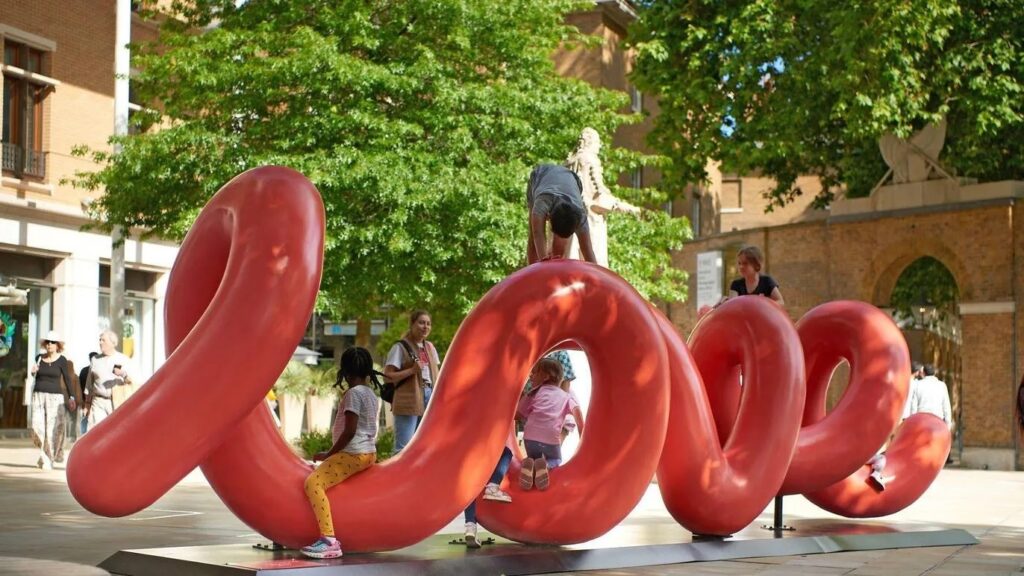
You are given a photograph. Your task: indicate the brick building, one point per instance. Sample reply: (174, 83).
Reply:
(58, 93)
(608, 66)
(857, 250)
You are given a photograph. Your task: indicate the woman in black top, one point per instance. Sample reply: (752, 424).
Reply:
(56, 391)
(749, 260)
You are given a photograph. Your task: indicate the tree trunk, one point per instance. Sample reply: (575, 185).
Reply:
(363, 332)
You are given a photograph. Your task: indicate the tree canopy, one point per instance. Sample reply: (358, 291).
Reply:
(925, 283)
(418, 121)
(807, 87)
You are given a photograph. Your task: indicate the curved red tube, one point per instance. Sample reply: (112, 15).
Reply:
(239, 297)
(241, 293)
(873, 402)
(707, 487)
(628, 414)
(515, 323)
(914, 460)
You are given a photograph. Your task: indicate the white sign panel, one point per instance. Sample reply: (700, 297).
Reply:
(709, 278)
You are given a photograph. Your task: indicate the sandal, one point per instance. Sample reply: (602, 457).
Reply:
(541, 478)
(526, 474)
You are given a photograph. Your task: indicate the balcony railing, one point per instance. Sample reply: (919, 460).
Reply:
(24, 162)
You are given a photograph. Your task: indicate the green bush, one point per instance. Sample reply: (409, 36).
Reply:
(310, 443)
(385, 443)
(321, 379)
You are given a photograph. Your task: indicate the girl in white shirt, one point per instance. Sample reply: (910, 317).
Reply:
(354, 450)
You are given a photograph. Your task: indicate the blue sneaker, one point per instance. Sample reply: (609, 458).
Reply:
(324, 547)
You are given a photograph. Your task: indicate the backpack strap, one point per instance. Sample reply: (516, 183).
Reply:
(408, 349)
(412, 356)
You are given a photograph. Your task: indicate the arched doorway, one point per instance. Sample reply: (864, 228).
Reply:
(924, 303)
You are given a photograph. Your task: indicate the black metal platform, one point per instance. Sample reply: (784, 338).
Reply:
(632, 544)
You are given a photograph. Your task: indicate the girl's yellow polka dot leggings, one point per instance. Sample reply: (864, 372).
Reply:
(333, 471)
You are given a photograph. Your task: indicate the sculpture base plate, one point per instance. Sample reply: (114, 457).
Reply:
(627, 546)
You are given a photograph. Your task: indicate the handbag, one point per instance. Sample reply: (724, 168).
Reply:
(120, 393)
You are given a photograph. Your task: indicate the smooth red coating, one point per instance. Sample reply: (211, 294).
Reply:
(238, 300)
(707, 487)
(628, 414)
(240, 296)
(914, 460)
(414, 494)
(833, 446)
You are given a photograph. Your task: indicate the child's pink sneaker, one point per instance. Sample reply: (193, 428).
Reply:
(324, 547)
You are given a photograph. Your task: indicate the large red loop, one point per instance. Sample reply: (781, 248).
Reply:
(241, 293)
(872, 404)
(238, 300)
(707, 487)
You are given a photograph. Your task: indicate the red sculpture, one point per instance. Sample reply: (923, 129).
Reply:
(243, 288)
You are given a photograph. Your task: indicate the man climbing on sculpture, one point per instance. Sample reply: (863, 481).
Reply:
(555, 194)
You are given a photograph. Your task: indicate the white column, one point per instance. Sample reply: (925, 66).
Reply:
(76, 306)
(159, 342)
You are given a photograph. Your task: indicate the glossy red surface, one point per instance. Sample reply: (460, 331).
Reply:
(239, 299)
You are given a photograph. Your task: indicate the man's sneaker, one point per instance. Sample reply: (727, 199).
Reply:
(471, 541)
(494, 492)
(324, 547)
(878, 479)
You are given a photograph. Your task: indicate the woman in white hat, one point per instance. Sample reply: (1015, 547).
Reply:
(55, 396)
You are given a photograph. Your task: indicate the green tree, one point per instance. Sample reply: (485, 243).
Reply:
(925, 283)
(418, 121)
(807, 87)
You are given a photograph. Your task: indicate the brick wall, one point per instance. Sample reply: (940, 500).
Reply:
(988, 385)
(81, 109)
(861, 258)
(608, 66)
(1018, 290)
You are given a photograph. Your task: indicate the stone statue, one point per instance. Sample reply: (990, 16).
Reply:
(586, 163)
(915, 159)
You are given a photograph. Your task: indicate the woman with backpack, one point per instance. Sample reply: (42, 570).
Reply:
(412, 365)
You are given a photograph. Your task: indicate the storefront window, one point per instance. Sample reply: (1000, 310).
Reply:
(21, 323)
(137, 337)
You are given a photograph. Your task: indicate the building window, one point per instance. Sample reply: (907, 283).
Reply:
(25, 90)
(636, 99)
(695, 214)
(134, 108)
(636, 178)
(732, 195)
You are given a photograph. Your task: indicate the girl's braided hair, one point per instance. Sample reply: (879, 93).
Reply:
(356, 361)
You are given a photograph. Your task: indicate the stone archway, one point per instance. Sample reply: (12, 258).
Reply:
(925, 304)
(890, 263)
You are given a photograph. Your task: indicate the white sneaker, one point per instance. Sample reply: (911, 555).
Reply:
(879, 480)
(494, 492)
(471, 541)
(877, 462)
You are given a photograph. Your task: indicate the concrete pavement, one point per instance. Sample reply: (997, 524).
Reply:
(41, 520)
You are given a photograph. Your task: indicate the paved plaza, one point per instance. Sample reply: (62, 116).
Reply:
(40, 520)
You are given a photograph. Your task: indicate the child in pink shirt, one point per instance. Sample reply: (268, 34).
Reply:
(544, 410)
